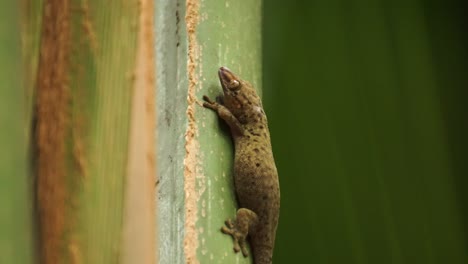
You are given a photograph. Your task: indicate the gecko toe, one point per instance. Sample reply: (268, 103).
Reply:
(209, 105)
(244, 250)
(236, 247)
(227, 231)
(207, 99)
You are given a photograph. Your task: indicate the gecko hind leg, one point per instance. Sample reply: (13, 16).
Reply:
(239, 229)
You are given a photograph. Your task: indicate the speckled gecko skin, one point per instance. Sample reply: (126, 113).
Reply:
(255, 175)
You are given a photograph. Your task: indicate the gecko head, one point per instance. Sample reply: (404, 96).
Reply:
(229, 81)
(237, 92)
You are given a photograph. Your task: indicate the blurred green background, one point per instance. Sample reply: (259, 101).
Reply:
(368, 116)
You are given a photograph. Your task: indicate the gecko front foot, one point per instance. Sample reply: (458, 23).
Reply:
(209, 104)
(239, 238)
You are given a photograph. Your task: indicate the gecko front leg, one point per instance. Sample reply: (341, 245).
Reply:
(225, 114)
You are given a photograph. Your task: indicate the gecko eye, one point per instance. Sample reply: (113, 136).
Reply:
(234, 84)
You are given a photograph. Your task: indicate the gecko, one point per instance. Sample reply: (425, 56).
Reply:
(255, 174)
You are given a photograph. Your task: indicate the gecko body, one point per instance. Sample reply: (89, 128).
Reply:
(255, 175)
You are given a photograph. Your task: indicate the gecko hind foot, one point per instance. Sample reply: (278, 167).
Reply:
(238, 229)
(240, 243)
